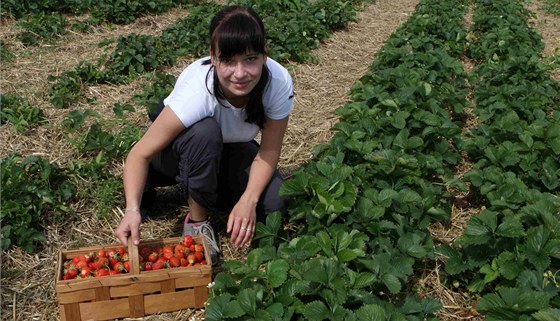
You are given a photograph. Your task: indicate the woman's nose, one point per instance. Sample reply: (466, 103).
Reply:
(240, 70)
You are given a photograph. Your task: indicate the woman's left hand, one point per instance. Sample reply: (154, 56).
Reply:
(242, 222)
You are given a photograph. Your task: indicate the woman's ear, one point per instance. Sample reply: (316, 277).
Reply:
(212, 58)
(265, 55)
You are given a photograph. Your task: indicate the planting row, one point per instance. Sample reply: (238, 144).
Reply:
(512, 247)
(47, 21)
(369, 195)
(365, 201)
(293, 30)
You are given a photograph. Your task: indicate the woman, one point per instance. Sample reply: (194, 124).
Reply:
(204, 136)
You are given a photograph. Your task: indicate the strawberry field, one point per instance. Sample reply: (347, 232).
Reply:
(422, 158)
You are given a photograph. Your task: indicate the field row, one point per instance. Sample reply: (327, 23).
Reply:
(368, 198)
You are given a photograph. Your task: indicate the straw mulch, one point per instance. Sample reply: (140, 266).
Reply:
(27, 288)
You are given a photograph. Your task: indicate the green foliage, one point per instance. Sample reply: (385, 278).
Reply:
(95, 140)
(100, 149)
(512, 304)
(154, 92)
(16, 110)
(189, 35)
(22, 8)
(105, 195)
(137, 54)
(335, 14)
(42, 26)
(310, 277)
(34, 193)
(66, 89)
(552, 7)
(513, 245)
(381, 174)
(6, 55)
(126, 11)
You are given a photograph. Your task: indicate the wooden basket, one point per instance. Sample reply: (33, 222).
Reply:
(134, 294)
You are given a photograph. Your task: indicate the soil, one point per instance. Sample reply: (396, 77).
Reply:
(27, 289)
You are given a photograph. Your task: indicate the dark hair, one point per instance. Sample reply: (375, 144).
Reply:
(236, 30)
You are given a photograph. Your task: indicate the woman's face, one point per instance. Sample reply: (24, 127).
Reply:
(239, 74)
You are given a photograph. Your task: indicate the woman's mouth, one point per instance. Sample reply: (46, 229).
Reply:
(240, 85)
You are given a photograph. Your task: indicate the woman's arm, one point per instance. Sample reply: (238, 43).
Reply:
(160, 134)
(262, 169)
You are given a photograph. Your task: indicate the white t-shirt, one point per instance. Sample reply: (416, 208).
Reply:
(192, 100)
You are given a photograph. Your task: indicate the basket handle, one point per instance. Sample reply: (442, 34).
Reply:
(133, 257)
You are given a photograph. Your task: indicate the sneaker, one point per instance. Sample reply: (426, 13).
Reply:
(203, 228)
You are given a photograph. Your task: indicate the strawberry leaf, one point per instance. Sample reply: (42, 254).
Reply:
(316, 310)
(277, 272)
(223, 307)
(247, 299)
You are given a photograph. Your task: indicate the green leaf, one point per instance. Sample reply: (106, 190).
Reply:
(555, 145)
(276, 310)
(511, 226)
(427, 88)
(364, 279)
(508, 266)
(391, 282)
(536, 240)
(386, 197)
(295, 186)
(399, 119)
(322, 270)
(370, 312)
(510, 301)
(254, 258)
(277, 272)
(411, 244)
(346, 255)
(316, 310)
(547, 315)
(247, 299)
(270, 229)
(222, 307)
(389, 103)
(490, 274)
(454, 263)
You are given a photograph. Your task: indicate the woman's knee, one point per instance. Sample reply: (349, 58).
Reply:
(202, 138)
(272, 200)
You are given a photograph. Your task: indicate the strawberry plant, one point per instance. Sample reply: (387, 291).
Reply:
(136, 54)
(6, 55)
(41, 26)
(126, 11)
(22, 8)
(34, 192)
(512, 246)
(310, 277)
(381, 174)
(154, 92)
(17, 111)
(100, 148)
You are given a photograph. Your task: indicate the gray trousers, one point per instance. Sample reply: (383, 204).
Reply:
(214, 173)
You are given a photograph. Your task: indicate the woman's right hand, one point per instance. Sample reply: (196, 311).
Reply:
(129, 227)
